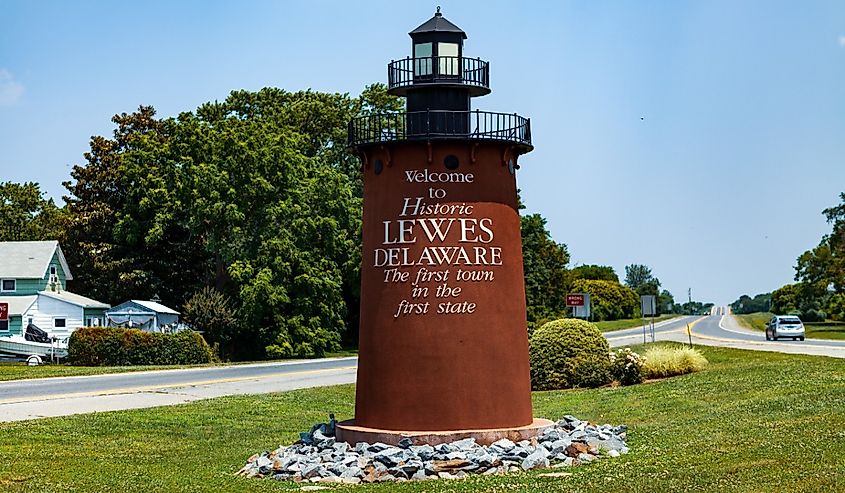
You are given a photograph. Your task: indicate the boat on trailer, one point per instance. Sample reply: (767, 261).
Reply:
(34, 347)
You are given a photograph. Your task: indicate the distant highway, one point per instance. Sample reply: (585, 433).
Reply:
(721, 329)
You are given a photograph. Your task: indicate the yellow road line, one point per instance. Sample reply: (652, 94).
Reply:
(682, 329)
(130, 390)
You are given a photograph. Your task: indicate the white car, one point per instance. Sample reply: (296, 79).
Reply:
(785, 326)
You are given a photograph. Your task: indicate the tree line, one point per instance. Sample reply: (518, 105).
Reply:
(246, 214)
(818, 292)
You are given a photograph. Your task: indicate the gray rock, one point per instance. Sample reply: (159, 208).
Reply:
(385, 478)
(314, 471)
(613, 453)
(465, 444)
(390, 457)
(405, 442)
(424, 452)
(456, 455)
(536, 460)
(377, 447)
(611, 443)
(352, 472)
(586, 457)
(504, 444)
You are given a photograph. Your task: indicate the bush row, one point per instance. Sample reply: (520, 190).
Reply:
(110, 346)
(571, 353)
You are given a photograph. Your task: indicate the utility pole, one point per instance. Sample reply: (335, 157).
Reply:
(689, 296)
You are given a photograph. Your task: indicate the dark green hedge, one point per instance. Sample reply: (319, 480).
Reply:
(109, 346)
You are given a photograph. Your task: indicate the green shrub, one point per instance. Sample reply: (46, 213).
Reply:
(569, 353)
(626, 367)
(110, 346)
(667, 361)
(812, 315)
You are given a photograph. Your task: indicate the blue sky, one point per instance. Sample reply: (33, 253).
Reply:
(700, 138)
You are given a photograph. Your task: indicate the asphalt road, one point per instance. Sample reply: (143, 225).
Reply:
(45, 397)
(30, 399)
(721, 329)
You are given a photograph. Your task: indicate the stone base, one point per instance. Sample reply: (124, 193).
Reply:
(346, 431)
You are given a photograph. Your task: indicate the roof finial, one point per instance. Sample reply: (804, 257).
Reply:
(438, 14)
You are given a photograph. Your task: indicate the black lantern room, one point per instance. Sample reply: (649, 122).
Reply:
(439, 82)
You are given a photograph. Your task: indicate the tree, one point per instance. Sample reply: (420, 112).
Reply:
(595, 272)
(637, 275)
(213, 313)
(785, 300)
(545, 265)
(125, 235)
(255, 195)
(610, 300)
(665, 302)
(26, 215)
(746, 304)
(820, 272)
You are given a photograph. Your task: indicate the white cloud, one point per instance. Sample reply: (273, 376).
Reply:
(842, 41)
(10, 89)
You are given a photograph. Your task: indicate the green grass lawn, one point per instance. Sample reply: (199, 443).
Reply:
(629, 323)
(812, 330)
(753, 421)
(20, 371)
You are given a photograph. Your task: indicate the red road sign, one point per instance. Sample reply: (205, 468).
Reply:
(4, 311)
(575, 300)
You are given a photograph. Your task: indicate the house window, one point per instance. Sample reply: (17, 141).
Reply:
(9, 285)
(4, 325)
(59, 323)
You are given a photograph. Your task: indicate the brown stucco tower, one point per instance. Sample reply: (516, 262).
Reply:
(443, 339)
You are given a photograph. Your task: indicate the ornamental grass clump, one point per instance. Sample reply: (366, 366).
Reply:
(667, 361)
(626, 367)
(569, 353)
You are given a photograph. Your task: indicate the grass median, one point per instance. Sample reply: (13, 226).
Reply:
(752, 421)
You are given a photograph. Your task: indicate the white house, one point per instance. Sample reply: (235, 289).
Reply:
(33, 279)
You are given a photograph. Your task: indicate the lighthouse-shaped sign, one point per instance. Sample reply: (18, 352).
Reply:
(443, 342)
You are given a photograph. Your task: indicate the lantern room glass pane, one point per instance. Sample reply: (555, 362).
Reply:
(422, 59)
(448, 56)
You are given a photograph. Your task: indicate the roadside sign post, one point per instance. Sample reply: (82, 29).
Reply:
(689, 334)
(580, 303)
(648, 306)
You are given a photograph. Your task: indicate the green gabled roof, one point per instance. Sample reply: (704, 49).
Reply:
(29, 259)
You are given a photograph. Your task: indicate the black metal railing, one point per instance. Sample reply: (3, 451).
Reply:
(437, 124)
(440, 69)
